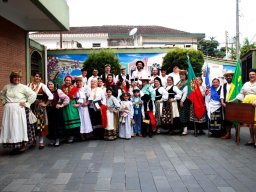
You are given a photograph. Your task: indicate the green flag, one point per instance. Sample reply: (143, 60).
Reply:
(236, 84)
(191, 77)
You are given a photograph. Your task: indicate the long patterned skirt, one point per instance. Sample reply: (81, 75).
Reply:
(110, 130)
(216, 120)
(184, 113)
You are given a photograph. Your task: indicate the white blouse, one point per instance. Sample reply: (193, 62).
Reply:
(12, 93)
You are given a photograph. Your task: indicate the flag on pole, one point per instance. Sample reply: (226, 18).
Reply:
(194, 93)
(236, 84)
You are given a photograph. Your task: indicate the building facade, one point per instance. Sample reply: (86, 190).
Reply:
(109, 36)
(17, 18)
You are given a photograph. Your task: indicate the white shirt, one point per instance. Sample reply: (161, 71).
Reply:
(176, 77)
(139, 74)
(163, 80)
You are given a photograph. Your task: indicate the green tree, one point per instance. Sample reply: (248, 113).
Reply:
(209, 47)
(179, 56)
(98, 59)
(247, 46)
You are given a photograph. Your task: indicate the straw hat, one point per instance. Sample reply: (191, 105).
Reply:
(229, 72)
(78, 79)
(145, 78)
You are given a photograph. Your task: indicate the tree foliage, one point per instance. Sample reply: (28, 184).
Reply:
(247, 46)
(210, 48)
(98, 60)
(179, 56)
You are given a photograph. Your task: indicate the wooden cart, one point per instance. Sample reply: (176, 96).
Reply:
(240, 113)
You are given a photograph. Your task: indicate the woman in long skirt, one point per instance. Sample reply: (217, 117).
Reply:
(16, 98)
(113, 106)
(55, 114)
(82, 104)
(97, 100)
(70, 113)
(44, 95)
(171, 113)
(184, 104)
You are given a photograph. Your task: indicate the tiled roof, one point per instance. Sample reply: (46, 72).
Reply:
(122, 29)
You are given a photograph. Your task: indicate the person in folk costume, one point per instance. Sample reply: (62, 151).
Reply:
(70, 113)
(84, 76)
(224, 98)
(44, 95)
(106, 73)
(148, 116)
(100, 84)
(16, 131)
(126, 117)
(175, 74)
(82, 105)
(140, 71)
(199, 123)
(184, 103)
(160, 99)
(97, 110)
(95, 76)
(113, 107)
(248, 95)
(163, 76)
(154, 74)
(137, 116)
(214, 109)
(171, 118)
(110, 83)
(55, 114)
(123, 80)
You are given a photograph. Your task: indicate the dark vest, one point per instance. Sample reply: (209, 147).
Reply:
(120, 79)
(158, 95)
(171, 93)
(225, 91)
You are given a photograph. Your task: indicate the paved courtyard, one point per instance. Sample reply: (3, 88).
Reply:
(162, 163)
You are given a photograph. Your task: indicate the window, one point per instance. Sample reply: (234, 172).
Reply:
(187, 46)
(96, 45)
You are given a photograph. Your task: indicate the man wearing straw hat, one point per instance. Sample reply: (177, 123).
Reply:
(223, 96)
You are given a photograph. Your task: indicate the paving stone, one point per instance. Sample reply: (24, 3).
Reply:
(159, 164)
(63, 178)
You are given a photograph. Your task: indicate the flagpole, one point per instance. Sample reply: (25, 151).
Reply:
(237, 32)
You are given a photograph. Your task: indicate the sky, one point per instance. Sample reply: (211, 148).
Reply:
(212, 17)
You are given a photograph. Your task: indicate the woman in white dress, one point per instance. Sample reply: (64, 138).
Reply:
(126, 115)
(82, 105)
(16, 99)
(113, 107)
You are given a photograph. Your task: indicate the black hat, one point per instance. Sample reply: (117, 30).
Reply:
(158, 79)
(137, 62)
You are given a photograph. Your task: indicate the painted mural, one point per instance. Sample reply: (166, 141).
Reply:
(61, 65)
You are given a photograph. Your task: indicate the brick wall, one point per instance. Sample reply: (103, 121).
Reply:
(12, 52)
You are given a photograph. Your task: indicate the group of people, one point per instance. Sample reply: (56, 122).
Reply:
(110, 107)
